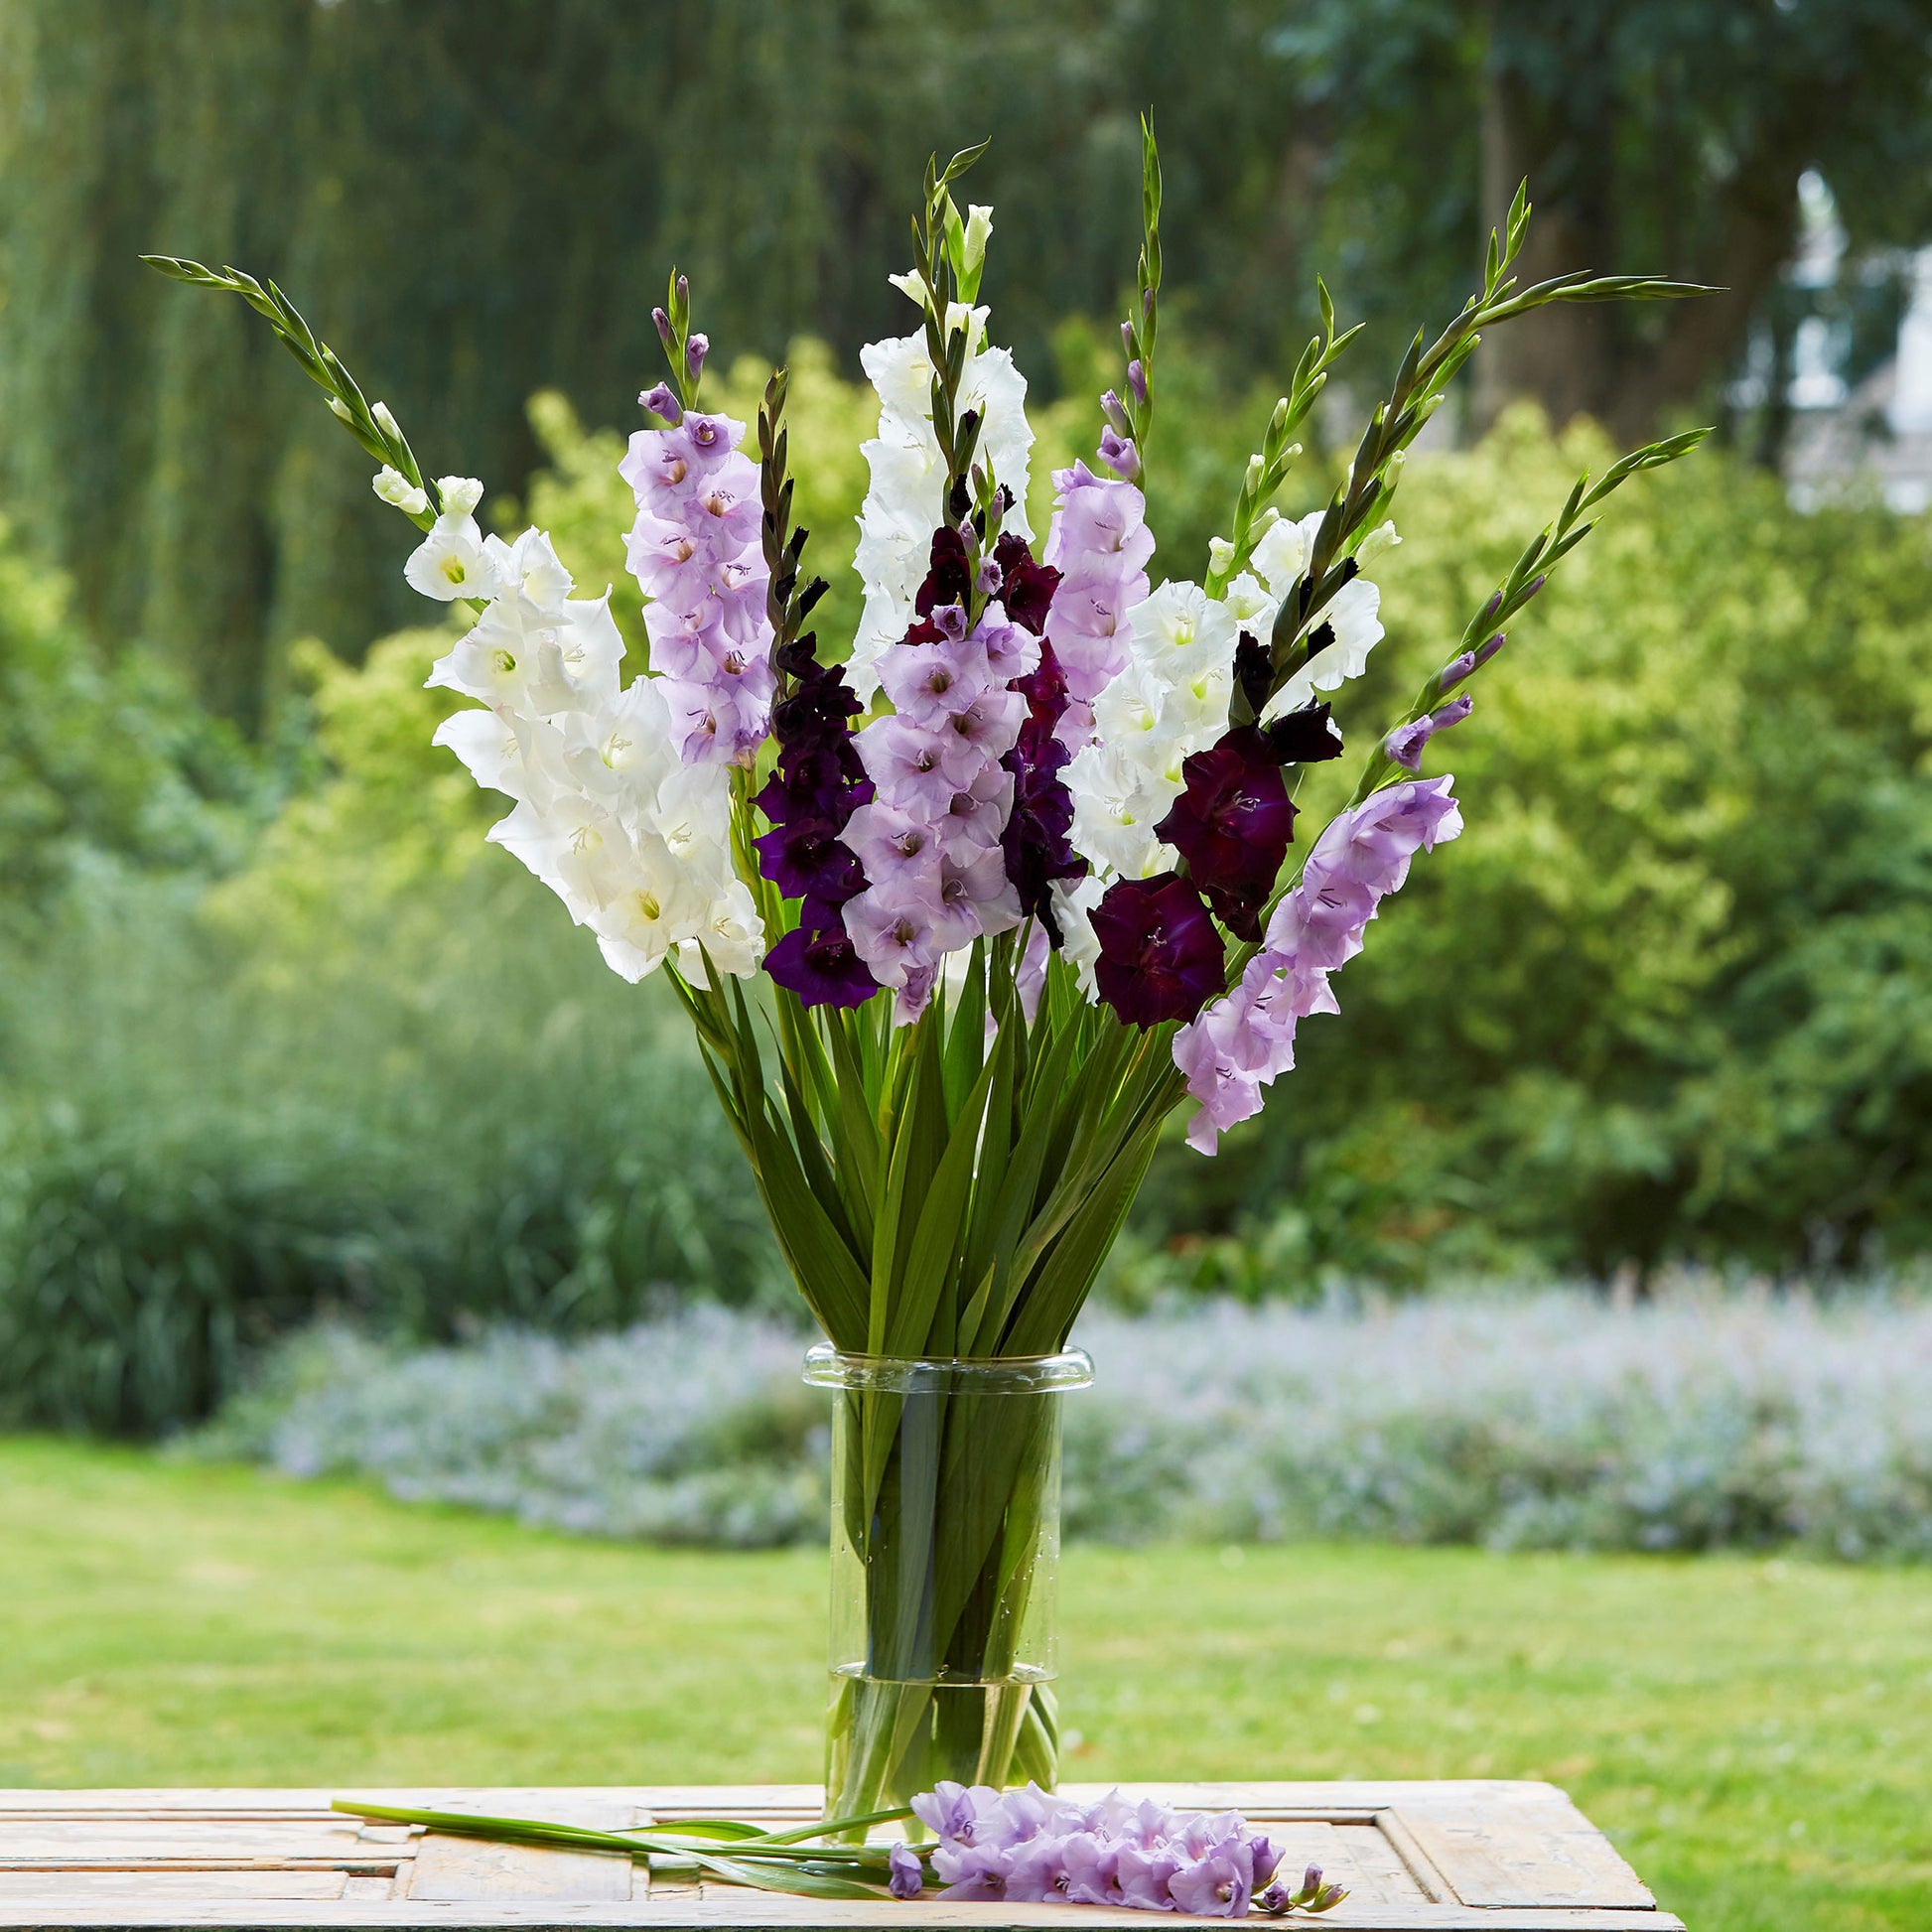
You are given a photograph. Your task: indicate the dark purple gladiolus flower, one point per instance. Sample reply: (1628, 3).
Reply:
(821, 968)
(809, 799)
(1305, 737)
(947, 581)
(1159, 955)
(1028, 587)
(1232, 824)
(1036, 839)
(804, 859)
(1254, 670)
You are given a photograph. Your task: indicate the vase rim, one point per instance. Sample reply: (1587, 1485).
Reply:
(1068, 1368)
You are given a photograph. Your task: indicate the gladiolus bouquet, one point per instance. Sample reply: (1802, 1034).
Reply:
(961, 911)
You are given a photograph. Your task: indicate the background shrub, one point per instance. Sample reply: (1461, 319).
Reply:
(1534, 1421)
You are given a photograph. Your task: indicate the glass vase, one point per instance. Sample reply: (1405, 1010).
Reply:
(945, 1571)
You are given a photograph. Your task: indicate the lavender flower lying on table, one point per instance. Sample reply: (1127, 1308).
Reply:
(1031, 1847)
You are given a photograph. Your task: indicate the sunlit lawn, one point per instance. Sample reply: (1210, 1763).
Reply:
(1757, 1735)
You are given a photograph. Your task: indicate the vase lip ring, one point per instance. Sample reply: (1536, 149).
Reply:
(827, 1367)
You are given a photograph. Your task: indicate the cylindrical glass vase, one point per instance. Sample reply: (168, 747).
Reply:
(945, 1571)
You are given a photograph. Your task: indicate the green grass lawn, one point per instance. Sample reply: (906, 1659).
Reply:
(1757, 1735)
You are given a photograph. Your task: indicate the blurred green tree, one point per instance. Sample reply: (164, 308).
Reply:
(1666, 134)
(471, 208)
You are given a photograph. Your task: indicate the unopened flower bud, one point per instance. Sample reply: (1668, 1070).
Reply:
(1146, 303)
(1533, 586)
(1455, 670)
(1119, 455)
(1110, 407)
(694, 351)
(385, 422)
(396, 488)
(459, 495)
(1275, 1901)
(1127, 337)
(683, 292)
(990, 579)
(1137, 379)
(1405, 743)
(341, 410)
(1382, 537)
(978, 227)
(661, 401)
(908, 1874)
(1312, 1880)
(663, 322)
(1220, 553)
(1326, 1898)
(1250, 481)
(1484, 652)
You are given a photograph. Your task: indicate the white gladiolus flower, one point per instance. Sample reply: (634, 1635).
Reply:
(460, 495)
(733, 935)
(1073, 904)
(1251, 607)
(1352, 610)
(1179, 630)
(564, 846)
(1283, 553)
(633, 841)
(1117, 803)
(395, 488)
(451, 561)
(651, 903)
(903, 506)
(532, 569)
(495, 747)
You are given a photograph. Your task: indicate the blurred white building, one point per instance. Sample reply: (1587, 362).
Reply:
(1876, 437)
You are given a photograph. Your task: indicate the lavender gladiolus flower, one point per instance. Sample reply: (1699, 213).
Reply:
(1405, 743)
(1119, 455)
(1100, 545)
(1218, 1886)
(661, 401)
(1032, 1847)
(1245, 1041)
(908, 1874)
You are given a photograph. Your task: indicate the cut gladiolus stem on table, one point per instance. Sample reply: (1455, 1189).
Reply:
(1024, 1846)
(964, 908)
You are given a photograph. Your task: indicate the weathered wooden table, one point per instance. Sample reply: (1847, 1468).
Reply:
(1415, 1857)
